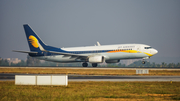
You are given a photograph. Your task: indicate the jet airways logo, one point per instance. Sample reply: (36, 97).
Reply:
(33, 41)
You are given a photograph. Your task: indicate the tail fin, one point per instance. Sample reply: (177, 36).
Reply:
(35, 43)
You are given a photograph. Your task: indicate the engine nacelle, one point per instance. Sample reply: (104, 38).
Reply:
(112, 61)
(96, 59)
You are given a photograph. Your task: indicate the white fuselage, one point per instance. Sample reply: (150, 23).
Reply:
(109, 52)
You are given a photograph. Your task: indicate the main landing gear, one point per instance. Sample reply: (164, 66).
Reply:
(86, 64)
(94, 64)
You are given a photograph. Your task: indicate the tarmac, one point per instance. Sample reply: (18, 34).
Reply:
(11, 77)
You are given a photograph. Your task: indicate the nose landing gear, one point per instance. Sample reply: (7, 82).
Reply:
(143, 62)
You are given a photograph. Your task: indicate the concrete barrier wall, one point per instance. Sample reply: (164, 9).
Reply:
(41, 80)
(44, 80)
(63, 80)
(25, 80)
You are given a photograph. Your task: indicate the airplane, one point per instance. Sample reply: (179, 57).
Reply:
(92, 54)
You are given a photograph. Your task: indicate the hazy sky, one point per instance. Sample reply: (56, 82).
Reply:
(67, 23)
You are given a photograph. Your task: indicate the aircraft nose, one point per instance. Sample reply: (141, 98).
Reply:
(154, 51)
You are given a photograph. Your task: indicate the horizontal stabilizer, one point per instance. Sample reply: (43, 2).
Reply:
(24, 51)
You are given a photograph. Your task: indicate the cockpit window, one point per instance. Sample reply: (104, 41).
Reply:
(147, 47)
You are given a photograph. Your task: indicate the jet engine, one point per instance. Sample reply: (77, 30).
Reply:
(96, 59)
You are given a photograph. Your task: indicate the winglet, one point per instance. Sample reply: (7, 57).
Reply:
(98, 43)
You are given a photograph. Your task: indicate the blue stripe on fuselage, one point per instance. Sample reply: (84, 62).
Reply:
(50, 48)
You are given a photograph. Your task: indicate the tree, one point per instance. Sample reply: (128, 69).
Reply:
(4, 62)
(178, 65)
(32, 61)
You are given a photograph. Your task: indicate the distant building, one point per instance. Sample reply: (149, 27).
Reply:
(13, 60)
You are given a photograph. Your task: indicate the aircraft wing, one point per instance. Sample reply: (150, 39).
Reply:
(79, 56)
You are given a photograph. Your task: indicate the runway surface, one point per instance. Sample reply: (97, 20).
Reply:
(11, 77)
(113, 68)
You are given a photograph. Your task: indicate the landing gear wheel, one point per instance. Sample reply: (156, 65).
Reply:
(94, 64)
(84, 64)
(143, 62)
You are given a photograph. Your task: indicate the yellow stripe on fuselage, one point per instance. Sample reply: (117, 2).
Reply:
(129, 51)
(126, 51)
(147, 54)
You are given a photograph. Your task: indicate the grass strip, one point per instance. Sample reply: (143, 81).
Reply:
(91, 91)
(87, 71)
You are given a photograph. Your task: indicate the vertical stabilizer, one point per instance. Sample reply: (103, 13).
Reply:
(35, 43)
